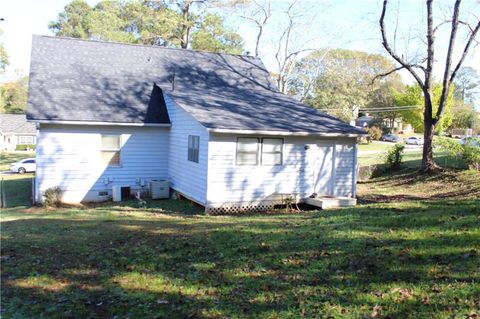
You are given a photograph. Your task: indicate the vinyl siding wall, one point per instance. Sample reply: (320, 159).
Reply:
(69, 156)
(229, 183)
(188, 178)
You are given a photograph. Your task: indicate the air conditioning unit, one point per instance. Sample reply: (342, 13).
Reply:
(159, 189)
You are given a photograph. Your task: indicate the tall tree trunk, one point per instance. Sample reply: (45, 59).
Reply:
(428, 164)
(186, 26)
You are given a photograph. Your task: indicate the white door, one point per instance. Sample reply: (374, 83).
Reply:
(324, 168)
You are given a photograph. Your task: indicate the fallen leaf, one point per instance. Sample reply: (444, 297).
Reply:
(404, 293)
(425, 300)
(376, 311)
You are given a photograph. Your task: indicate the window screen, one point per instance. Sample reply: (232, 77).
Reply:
(111, 150)
(193, 148)
(247, 151)
(272, 151)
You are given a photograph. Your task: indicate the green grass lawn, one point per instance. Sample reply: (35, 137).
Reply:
(375, 146)
(412, 159)
(404, 253)
(7, 158)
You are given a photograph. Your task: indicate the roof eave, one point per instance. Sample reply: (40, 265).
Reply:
(283, 133)
(99, 123)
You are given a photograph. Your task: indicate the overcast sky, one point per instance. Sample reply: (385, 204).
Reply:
(348, 24)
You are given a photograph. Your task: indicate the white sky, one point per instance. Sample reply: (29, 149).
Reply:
(350, 24)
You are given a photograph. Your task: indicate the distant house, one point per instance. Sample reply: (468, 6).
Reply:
(116, 115)
(396, 126)
(364, 121)
(16, 132)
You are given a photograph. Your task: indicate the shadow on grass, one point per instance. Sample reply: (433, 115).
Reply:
(338, 263)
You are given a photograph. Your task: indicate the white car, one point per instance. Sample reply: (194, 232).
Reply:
(413, 140)
(24, 166)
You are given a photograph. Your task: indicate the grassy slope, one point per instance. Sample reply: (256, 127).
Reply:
(412, 159)
(406, 259)
(6, 158)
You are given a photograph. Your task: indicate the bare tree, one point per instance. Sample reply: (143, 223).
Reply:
(259, 15)
(426, 64)
(287, 50)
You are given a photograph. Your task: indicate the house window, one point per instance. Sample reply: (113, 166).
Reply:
(247, 151)
(24, 140)
(272, 151)
(111, 149)
(193, 148)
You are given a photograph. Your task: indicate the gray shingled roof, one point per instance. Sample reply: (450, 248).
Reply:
(75, 80)
(16, 123)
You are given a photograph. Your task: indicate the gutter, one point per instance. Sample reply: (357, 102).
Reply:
(283, 133)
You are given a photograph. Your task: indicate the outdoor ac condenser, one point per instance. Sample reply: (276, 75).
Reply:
(159, 189)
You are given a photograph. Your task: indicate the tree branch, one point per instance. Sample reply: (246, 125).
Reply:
(448, 62)
(376, 77)
(387, 47)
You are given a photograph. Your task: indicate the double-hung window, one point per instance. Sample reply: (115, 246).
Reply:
(111, 149)
(193, 148)
(266, 151)
(247, 151)
(272, 151)
(25, 140)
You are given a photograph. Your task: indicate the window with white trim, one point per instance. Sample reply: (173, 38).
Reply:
(24, 140)
(247, 151)
(111, 149)
(272, 151)
(193, 148)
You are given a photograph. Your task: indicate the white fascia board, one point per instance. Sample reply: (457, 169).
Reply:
(99, 123)
(282, 133)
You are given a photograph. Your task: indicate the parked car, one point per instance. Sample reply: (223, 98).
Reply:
(390, 138)
(413, 140)
(24, 166)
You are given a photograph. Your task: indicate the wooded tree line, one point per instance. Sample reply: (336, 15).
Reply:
(336, 81)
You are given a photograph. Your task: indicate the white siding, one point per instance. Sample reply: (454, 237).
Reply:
(344, 168)
(68, 156)
(188, 178)
(230, 183)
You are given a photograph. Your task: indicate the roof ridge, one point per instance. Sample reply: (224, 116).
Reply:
(141, 45)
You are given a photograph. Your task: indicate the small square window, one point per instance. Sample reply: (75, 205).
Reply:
(193, 148)
(111, 149)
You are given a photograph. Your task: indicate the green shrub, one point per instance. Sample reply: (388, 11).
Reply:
(25, 147)
(374, 133)
(52, 197)
(393, 160)
(469, 151)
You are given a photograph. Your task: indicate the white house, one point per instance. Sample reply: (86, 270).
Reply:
(16, 133)
(211, 124)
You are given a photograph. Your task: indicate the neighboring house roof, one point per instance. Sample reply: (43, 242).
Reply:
(365, 118)
(17, 124)
(82, 80)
